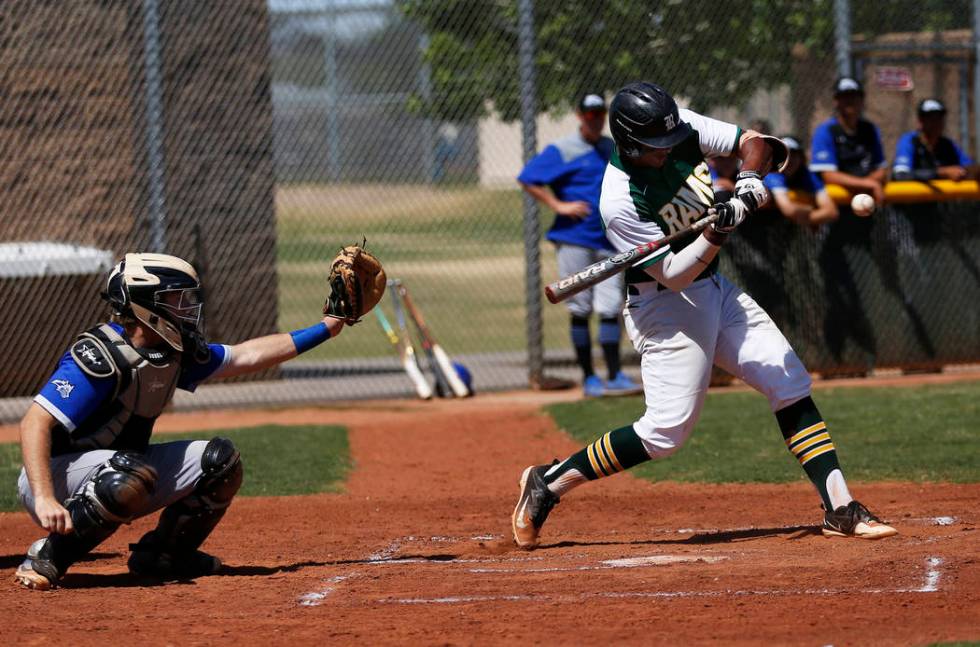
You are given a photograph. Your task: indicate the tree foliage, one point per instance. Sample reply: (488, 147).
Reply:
(711, 52)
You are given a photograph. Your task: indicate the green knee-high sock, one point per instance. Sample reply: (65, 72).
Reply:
(618, 450)
(809, 441)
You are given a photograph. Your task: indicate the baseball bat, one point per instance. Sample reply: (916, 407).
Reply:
(407, 355)
(442, 384)
(602, 270)
(430, 344)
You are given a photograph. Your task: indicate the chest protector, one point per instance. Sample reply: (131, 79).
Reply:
(145, 380)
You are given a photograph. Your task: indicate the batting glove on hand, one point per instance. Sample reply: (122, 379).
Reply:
(730, 215)
(750, 190)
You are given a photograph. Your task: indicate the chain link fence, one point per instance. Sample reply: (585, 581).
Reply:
(255, 137)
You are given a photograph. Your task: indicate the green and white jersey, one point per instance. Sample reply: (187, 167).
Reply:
(639, 204)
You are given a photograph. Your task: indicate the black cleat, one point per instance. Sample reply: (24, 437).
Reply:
(148, 560)
(854, 520)
(533, 506)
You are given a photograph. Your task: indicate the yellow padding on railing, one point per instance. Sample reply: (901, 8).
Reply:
(906, 192)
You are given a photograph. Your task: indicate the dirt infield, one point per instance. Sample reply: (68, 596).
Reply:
(417, 551)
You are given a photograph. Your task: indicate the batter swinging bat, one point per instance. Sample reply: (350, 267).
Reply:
(602, 270)
(432, 347)
(407, 355)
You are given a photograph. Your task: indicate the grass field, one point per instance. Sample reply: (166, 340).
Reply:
(927, 433)
(279, 461)
(459, 250)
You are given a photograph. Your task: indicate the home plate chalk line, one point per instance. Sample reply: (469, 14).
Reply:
(929, 582)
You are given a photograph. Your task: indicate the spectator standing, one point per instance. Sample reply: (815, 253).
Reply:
(926, 153)
(846, 149)
(566, 177)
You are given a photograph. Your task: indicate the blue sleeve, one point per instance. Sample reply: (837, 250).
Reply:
(544, 168)
(193, 374)
(775, 182)
(904, 153)
(878, 151)
(71, 395)
(817, 182)
(823, 156)
(965, 160)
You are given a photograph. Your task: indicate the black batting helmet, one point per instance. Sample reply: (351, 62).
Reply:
(162, 291)
(642, 115)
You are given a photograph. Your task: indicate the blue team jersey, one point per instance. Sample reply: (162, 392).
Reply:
(834, 149)
(911, 153)
(803, 180)
(72, 395)
(573, 168)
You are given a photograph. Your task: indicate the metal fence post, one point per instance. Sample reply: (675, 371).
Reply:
(842, 36)
(976, 78)
(532, 232)
(154, 126)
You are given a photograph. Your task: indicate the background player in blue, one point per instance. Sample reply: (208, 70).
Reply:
(566, 177)
(88, 462)
(846, 149)
(813, 206)
(926, 153)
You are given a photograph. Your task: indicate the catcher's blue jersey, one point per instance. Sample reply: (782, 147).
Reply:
(83, 403)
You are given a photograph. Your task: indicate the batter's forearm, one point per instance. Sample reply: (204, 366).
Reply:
(754, 152)
(677, 271)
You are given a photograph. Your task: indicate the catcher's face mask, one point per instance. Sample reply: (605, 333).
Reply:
(161, 291)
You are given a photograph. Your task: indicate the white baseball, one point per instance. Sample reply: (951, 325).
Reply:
(862, 204)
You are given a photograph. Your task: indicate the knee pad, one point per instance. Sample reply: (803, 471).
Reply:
(223, 473)
(185, 524)
(115, 494)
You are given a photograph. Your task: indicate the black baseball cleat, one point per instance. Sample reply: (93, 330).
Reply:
(38, 571)
(148, 560)
(533, 507)
(854, 520)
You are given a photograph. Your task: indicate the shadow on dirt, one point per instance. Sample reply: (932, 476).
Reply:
(720, 537)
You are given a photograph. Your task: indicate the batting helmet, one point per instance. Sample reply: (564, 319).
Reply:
(642, 115)
(161, 291)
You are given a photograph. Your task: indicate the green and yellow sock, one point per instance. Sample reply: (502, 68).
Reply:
(611, 453)
(809, 441)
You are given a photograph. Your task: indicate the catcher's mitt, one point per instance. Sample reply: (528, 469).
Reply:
(357, 283)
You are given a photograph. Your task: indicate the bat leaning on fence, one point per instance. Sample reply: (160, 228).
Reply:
(442, 383)
(602, 270)
(436, 354)
(407, 355)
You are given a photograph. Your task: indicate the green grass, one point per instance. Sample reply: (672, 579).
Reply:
(459, 250)
(918, 434)
(279, 461)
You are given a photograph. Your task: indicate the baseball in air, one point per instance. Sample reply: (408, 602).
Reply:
(862, 204)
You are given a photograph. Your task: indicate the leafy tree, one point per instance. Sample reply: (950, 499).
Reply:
(712, 53)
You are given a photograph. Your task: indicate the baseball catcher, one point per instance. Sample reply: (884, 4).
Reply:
(357, 283)
(89, 465)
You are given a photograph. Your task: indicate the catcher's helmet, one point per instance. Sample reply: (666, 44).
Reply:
(162, 291)
(642, 115)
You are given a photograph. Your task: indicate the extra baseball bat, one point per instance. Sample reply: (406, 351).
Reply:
(442, 383)
(602, 270)
(407, 355)
(431, 345)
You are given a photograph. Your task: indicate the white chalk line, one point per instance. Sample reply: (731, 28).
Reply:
(930, 585)
(316, 598)
(628, 562)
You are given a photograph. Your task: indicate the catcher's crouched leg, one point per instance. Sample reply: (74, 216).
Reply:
(170, 550)
(114, 495)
